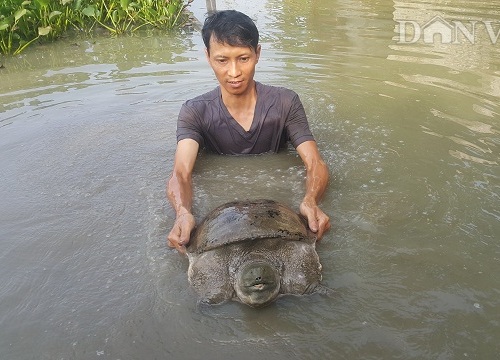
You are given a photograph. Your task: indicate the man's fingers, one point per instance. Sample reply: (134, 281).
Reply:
(173, 236)
(179, 236)
(323, 227)
(185, 234)
(181, 249)
(178, 246)
(318, 221)
(313, 223)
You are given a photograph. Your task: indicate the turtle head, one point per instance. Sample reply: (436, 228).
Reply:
(257, 283)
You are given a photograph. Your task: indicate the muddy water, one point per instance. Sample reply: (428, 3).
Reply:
(409, 128)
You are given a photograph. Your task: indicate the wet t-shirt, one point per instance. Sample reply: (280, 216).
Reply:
(279, 117)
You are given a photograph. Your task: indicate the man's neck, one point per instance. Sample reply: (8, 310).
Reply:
(242, 106)
(241, 101)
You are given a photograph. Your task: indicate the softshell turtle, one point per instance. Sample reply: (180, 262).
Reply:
(253, 251)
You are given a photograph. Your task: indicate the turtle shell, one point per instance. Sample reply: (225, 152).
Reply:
(248, 220)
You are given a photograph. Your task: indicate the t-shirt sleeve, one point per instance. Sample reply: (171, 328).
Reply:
(189, 124)
(296, 123)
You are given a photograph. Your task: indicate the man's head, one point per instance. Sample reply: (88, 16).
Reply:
(232, 28)
(232, 49)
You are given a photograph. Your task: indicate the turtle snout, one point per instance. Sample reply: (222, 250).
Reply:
(257, 283)
(258, 280)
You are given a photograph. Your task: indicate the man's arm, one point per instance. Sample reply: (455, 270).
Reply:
(180, 193)
(316, 183)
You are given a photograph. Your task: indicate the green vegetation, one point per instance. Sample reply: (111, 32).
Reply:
(22, 22)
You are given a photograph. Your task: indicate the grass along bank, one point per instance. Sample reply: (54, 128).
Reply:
(24, 22)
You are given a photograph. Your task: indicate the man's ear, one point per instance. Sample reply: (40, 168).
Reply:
(257, 52)
(207, 54)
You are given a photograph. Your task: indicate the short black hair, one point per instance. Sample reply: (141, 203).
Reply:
(230, 27)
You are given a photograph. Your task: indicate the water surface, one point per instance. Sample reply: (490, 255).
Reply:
(410, 132)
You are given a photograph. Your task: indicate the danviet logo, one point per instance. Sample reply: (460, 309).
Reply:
(439, 30)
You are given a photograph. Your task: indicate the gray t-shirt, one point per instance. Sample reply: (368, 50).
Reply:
(279, 116)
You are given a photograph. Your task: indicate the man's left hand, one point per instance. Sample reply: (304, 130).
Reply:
(318, 221)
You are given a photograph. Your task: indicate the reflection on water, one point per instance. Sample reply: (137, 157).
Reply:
(410, 132)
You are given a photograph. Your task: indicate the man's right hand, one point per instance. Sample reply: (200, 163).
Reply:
(180, 233)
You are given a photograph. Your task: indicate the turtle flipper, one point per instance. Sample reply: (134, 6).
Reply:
(208, 275)
(320, 289)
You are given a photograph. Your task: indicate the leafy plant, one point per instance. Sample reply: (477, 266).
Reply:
(161, 13)
(13, 30)
(23, 22)
(115, 16)
(119, 16)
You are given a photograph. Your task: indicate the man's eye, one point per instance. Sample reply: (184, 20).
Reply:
(244, 59)
(222, 61)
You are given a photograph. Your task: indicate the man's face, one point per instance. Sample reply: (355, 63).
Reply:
(233, 66)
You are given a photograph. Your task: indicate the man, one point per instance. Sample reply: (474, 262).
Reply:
(240, 116)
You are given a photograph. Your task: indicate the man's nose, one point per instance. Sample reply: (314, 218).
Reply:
(234, 69)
